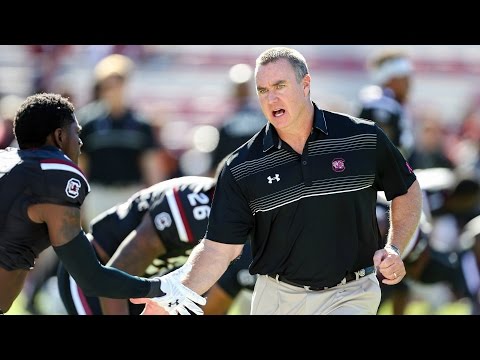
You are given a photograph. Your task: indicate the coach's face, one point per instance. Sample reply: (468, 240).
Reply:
(282, 98)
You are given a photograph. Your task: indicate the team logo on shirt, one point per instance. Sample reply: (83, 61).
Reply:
(73, 188)
(276, 177)
(162, 221)
(338, 165)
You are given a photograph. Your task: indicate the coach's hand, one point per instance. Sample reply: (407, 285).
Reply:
(178, 299)
(151, 306)
(390, 265)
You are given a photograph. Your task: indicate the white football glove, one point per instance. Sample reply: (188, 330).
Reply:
(178, 298)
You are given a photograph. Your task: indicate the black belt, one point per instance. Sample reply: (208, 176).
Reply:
(355, 275)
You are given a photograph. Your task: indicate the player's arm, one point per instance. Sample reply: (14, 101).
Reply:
(76, 253)
(133, 255)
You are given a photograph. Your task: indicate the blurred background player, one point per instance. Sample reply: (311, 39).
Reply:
(119, 145)
(436, 255)
(245, 118)
(385, 101)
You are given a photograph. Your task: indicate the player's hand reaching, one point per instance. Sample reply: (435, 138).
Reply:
(178, 299)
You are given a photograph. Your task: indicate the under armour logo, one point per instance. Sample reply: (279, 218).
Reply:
(174, 303)
(270, 179)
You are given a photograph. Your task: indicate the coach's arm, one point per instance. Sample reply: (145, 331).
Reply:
(405, 212)
(209, 260)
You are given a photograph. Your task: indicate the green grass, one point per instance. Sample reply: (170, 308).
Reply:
(459, 307)
(241, 306)
(47, 300)
(18, 307)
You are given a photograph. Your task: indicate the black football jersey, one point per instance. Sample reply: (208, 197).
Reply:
(179, 209)
(34, 176)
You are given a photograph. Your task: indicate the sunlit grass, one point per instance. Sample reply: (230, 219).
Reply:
(241, 306)
(47, 300)
(18, 307)
(417, 307)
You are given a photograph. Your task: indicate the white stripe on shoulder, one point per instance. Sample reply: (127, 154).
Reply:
(172, 202)
(64, 167)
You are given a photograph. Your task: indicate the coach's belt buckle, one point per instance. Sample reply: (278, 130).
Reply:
(360, 273)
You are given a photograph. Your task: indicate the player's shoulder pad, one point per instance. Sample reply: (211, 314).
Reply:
(183, 184)
(62, 180)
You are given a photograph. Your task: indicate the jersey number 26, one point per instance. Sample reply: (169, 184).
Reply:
(198, 201)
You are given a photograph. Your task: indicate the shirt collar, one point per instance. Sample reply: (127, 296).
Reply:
(271, 137)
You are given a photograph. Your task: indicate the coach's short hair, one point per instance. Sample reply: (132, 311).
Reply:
(293, 56)
(40, 115)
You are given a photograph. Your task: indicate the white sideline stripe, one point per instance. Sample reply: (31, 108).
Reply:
(305, 196)
(51, 166)
(172, 202)
(75, 297)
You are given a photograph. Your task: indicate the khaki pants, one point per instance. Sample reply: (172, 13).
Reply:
(359, 297)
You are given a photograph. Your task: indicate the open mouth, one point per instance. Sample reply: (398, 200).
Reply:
(278, 113)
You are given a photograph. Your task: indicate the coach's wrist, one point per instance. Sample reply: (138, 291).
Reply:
(392, 248)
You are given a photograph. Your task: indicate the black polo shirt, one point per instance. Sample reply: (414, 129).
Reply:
(311, 216)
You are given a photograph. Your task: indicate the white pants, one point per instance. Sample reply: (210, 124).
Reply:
(358, 297)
